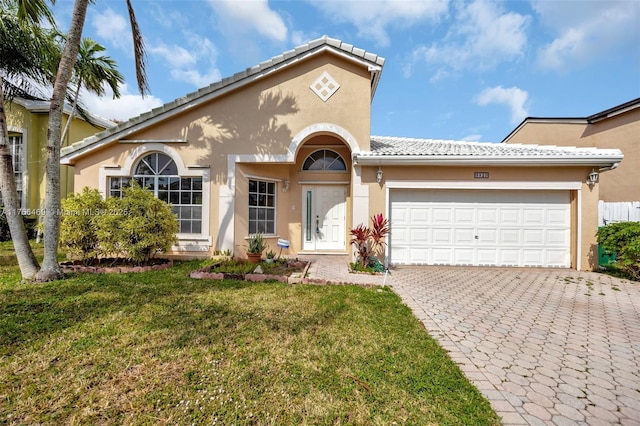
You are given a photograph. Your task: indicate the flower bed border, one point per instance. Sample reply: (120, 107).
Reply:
(67, 268)
(294, 278)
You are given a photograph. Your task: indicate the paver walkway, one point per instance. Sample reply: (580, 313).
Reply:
(545, 346)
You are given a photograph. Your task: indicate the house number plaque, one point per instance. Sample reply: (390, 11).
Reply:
(481, 175)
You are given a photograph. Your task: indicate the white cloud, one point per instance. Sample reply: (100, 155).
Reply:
(176, 55)
(127, 106)
(513, 97)
(472, 138)
(249, 16)
(481, 36)
(195, 64)
(372, 18)
(587, 31)
(114, 28)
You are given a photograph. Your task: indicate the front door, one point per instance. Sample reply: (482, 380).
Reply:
(324, 217)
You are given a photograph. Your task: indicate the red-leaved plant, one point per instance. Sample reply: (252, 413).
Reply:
(368, 240)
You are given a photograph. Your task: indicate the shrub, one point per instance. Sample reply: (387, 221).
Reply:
(78, 224)
(369, 240)
(623, 239)
(138, 226)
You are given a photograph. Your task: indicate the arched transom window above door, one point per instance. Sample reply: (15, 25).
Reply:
(324, 160)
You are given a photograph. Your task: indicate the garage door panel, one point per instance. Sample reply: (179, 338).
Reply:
(510, 217)
(511, 236)
(464, 216)
(557, 237)
(442, 256)
(442, 216)
(487, 236)
(464, 236)
(488, 216)
(442, 236)
(533, 236)
(558, 217)
(419, 216)
(509, 257)
(513, 228)
(487, 257)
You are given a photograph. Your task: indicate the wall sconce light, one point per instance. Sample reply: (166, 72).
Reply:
(593, 178)
(379, 175)
(285, 185)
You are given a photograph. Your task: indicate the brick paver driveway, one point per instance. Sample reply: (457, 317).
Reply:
(545, 346)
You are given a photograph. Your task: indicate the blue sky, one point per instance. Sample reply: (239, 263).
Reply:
(463, 70)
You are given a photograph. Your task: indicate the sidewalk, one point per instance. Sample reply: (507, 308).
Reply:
(334, 269)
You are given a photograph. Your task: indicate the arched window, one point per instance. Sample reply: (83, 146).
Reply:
(324, 160)
(158, 173)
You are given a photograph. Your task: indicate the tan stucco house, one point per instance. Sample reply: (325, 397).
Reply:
(617, 127)
(27, 121)
(284, 148)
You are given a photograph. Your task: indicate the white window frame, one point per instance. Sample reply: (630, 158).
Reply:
(186, 242)
(275, 203)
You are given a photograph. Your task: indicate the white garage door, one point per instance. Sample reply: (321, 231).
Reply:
(480, 227)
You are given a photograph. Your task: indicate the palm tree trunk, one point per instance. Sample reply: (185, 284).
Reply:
(50, 268)
(73, 110)
(26, 260)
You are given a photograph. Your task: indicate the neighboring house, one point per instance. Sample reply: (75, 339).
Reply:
(27, 122)
(617, 127)
(284, 148)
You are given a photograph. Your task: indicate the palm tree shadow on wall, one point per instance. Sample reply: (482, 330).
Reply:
(258, 127)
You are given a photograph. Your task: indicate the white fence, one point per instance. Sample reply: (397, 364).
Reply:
(618, 212)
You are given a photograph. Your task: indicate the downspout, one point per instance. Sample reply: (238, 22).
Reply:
(611, 167)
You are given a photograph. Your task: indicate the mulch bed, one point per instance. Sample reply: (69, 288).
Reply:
(293, 272)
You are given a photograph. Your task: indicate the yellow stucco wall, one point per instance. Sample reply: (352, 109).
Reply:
(620, 132)
(34, 125)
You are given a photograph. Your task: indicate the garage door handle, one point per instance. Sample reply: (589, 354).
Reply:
(477, 238)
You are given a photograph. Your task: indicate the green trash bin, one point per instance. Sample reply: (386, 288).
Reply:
(605, 258)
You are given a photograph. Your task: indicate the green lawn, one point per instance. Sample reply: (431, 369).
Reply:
(161, 348)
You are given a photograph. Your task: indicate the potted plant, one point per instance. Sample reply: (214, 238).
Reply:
(271, 256)
(255, 247)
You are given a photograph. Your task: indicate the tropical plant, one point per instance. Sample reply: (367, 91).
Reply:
(137, 226)
(623, 239)
(257, 244)
(27, 52)
(271, 254)
(79, 224)
(92, 70)
(50, 268)
(369, 240)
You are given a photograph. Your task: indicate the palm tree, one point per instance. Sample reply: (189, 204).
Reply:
(26, 54)
(50, 269)
(92, 70)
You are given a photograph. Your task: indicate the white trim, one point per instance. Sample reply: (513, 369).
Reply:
(323, 182)
(322, 128)
(25, 169)
(113, 170)
(487, 160)
(533, 185)
(126, 141)
(579, 230)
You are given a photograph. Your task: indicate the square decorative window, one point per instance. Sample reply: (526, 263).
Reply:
(325, 86)
(262, 207)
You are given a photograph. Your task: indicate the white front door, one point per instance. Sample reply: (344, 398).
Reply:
(324, 217)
